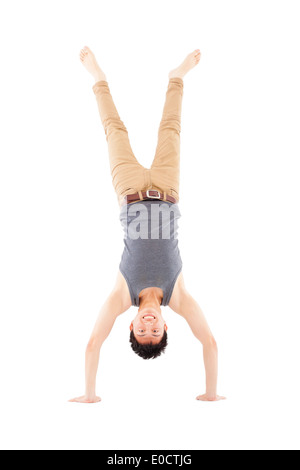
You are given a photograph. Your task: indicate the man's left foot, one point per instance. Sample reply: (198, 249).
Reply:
(88, 59)
(189, 62)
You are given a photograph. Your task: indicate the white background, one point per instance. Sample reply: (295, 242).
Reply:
(61, 239)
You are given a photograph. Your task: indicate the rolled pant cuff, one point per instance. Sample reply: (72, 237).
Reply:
(177, 80)
(100, 84)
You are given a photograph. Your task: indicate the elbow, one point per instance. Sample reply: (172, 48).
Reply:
(210, 343)
(93, 345)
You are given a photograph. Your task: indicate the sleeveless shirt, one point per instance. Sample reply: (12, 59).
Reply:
(151, 256)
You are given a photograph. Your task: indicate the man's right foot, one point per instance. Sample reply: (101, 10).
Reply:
(189, 62)
(89, 61)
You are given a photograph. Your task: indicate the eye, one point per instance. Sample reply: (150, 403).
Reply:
(141, 331)
(155, 331)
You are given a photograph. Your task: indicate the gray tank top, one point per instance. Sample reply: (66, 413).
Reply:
(151, 257)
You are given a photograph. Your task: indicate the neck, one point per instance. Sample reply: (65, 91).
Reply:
(151, 298)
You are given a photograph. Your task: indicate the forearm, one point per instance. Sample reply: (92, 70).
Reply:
(210, 354)
(117, 302)
(102, 329)
(203, 333)
(92, 356)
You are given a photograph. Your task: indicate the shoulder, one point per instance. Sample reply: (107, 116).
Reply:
(178, 295)
(122, 291)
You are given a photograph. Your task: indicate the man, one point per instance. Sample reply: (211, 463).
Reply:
(150, 273)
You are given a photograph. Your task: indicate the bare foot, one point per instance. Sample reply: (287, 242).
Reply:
(189, 62)
(89, 61)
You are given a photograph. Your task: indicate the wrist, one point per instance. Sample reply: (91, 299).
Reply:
(90, 394)
(211, 394)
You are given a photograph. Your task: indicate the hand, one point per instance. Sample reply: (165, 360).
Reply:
(210, 398)
(86, 399)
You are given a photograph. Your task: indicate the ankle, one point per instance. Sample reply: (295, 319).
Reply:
(176, 75)
(99, 77)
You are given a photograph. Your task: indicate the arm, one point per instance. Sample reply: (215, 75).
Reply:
(186, 306)
(117, 303)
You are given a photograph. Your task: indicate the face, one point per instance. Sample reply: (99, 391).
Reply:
(148, 326)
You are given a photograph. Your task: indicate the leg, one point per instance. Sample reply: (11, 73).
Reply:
(127, 173)
(165, 169)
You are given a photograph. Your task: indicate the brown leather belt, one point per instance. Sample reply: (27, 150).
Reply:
(150, 194)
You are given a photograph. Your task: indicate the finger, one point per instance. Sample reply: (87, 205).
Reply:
(75, 399)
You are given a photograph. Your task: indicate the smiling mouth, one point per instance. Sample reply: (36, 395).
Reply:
(149, 317)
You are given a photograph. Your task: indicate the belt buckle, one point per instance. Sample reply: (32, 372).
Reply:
(153, 191)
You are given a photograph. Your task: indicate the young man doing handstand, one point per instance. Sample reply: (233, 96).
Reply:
(150, 273)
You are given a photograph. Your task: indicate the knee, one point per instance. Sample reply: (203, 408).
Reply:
(171, 122)
(112, 123)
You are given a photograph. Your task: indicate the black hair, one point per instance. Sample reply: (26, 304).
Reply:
(149, 350)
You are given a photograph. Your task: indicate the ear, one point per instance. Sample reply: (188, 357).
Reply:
(131, 326)
(166, 328)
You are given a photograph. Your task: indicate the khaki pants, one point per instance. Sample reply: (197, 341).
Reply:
(128, 175)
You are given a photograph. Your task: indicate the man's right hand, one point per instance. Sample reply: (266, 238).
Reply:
(207, 397)
(86, 399)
